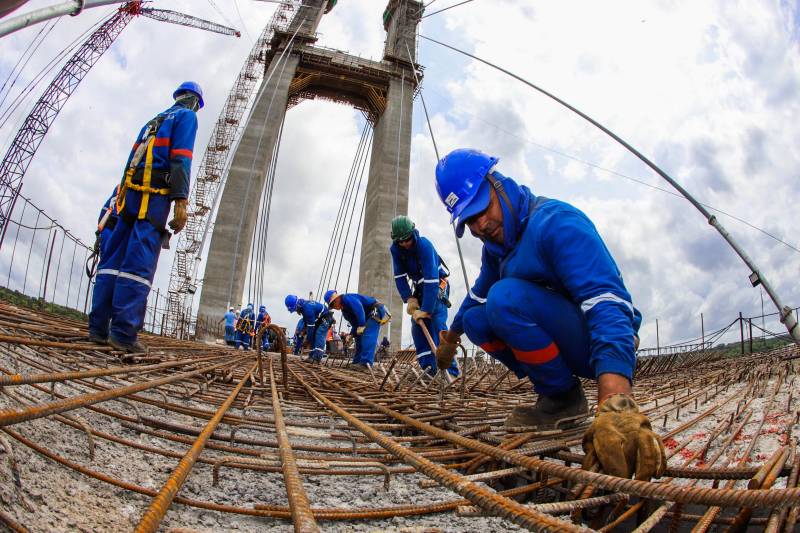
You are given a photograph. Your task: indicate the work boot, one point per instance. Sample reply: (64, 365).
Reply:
(97, 339)
(550, 409)
(134, 347)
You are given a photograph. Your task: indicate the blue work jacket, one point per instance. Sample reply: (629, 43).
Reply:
(420, 264)
(173, 148)
(356, 309)
(230, 318)
(555, 245)
(310, 310)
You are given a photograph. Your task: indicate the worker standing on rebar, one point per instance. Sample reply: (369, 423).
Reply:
(156, 174)
(262, 321)
(317, 321)
(366, 315)
(230, 331)
(550, 304)
(244, 327)
(414, 258)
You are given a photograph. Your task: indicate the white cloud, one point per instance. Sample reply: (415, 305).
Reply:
(707, 90)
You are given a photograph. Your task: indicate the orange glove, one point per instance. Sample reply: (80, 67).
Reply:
(412, 305)
(446, 352)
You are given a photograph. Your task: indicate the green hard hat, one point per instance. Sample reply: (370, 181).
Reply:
(402, 228)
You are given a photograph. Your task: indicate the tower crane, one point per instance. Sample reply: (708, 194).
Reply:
(30, 136)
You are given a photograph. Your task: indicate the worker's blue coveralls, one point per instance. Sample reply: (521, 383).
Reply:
(549, 302)
(230, 332)
(244, 328)
(423, 266)
(110, 208)
(317, 319)
(367, 312)
(298, 336)
(262, 319)
(126, 269)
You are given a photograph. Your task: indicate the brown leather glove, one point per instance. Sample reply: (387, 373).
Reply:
(622, 443)
(360, 330)
(419, 314)
(179, 216)
(412, 305)
(446, 351)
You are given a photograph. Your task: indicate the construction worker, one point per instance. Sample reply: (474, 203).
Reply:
(230, 331)
(299, 336)
(244, 327)
(156, 174)
(317, 320)
(262, 321)
(107, 220)
(550, 304)
(366, 315)
(414, 258)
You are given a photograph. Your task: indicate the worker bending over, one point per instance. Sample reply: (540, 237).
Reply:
(366, 315)
(317, 321)
(550, 304)
(245, 327)
(157, 173)
(414, 258)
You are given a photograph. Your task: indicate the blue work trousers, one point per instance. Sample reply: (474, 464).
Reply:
(298, 343)
(243, 339)
(125, 272)
(368, 341)
(320, 335)
(426, 356)
(535, 332)
(230, 332)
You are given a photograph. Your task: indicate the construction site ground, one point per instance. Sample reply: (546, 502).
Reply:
(199, 437)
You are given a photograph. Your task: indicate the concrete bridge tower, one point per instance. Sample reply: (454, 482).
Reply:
(298, 70)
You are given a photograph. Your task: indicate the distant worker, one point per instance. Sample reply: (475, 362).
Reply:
(299, 336)
(107, 220)
(550, 304)
(414, 258)
(262, 320)
(317, 321)
(366, 315)
(245, 327)
(230, 331)
(157, 173)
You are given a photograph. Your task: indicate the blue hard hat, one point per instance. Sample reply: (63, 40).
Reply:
(190, 87)
(262, 308)
(330, 295)
(291, 303)
(461, 185)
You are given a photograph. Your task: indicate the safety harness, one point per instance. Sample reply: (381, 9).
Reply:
(374, 313)
(144, 150)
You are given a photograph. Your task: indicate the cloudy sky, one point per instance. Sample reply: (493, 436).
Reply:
(708, 90)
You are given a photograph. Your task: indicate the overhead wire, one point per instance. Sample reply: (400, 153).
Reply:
(29, 51)
(446, 8)
(614, 172)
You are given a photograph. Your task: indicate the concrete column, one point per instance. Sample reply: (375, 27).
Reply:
(229, 252)
(387, 196)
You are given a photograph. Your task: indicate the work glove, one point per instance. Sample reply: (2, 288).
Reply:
(412, 306)
(418, 314)
(360, 330)
(622, 443)
(446, 351)
(179, 216)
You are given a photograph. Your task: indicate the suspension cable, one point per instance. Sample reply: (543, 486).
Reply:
(756, 277)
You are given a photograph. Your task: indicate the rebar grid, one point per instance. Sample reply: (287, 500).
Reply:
(156, 427)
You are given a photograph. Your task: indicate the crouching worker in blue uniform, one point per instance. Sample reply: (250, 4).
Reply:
(299, 336)
(415, 258)
(245, 327)
(550, 304)
(156, 174)
(317, 321)
(366, 315)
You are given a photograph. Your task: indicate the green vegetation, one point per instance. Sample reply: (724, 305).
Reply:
(21, 300)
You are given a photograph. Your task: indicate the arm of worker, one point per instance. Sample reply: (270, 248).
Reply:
(400, 274)
(181, 150)
(585, 267)
(430, 274)
(355, 312)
